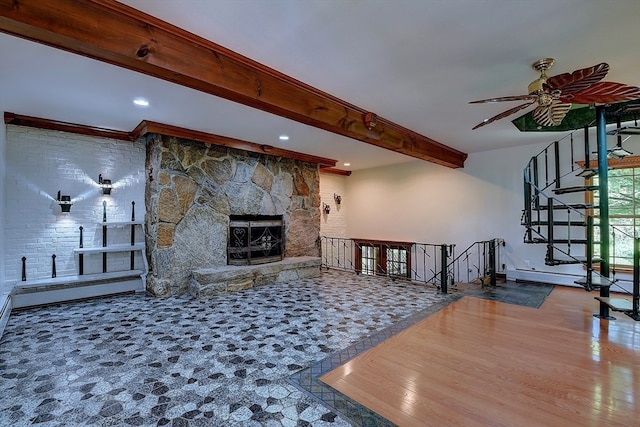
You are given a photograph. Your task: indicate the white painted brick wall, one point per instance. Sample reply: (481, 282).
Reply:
(333, 224)
(41, 162)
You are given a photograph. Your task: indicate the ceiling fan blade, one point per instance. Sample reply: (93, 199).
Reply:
(551, 115)
(503, 114)
(506, 98)
(603, 93)
(578, 80)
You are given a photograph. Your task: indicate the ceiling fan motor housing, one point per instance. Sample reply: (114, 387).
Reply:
(541, 66)
(535, 87)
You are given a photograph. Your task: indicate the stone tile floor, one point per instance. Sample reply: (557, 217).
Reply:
(135, 360)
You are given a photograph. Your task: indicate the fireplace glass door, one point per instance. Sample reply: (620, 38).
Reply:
(255, 240)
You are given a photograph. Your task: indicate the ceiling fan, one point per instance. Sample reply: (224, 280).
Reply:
(554, 95)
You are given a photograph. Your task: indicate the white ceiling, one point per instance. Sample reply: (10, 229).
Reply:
(414, 62)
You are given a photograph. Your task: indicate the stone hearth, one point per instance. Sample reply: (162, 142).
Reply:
(209, 282)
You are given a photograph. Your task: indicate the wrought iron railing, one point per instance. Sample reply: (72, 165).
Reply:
(418, 262)
(544, 175)
(427, 263)
(482, 261)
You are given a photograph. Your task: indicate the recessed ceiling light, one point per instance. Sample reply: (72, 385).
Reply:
(346, 164)
(141, 102)
(283, 137)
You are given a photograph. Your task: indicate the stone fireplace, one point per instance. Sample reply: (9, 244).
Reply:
(195, 191)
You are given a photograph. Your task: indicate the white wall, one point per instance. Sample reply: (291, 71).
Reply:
(333, 224)
(428, 203)
(41, 162)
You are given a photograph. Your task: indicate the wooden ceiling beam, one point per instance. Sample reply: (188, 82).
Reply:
(112, 32)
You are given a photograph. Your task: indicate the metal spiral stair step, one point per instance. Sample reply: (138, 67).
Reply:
(558, 223)
(575, 189)
(567, 206)
(568, 261)
(559, 241)
(617, 304)
(596, 282)
(587, 173)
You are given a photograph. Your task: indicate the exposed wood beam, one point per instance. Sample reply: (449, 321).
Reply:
(120, 35)
(36, 122)
(147, 127)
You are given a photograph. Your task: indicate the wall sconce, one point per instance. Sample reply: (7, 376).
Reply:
(337, 198)
(370, 120)
(326, 208)
(64, 202)
(105, 184)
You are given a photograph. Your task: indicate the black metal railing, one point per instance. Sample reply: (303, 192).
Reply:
(560, 224)
(426, 263)
(482, 261)
(546, 173)
(417, 262)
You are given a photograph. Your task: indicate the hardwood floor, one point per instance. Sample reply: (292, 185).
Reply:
(480, 362)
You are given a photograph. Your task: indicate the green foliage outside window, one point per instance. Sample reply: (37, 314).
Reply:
(624, 214)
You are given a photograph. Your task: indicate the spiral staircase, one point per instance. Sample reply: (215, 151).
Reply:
(556, 215)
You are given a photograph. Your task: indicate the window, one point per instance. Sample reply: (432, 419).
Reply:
(397, 262)
(624, 210)
(383, 257)
(369, 256)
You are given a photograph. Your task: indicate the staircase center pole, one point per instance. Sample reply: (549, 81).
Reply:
(603, 193)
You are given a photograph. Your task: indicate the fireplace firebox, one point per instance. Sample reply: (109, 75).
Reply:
(255, 239)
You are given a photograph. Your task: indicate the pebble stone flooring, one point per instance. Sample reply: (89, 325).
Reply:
(136, 360)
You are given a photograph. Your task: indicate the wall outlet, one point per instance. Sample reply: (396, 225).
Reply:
(527, 263)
